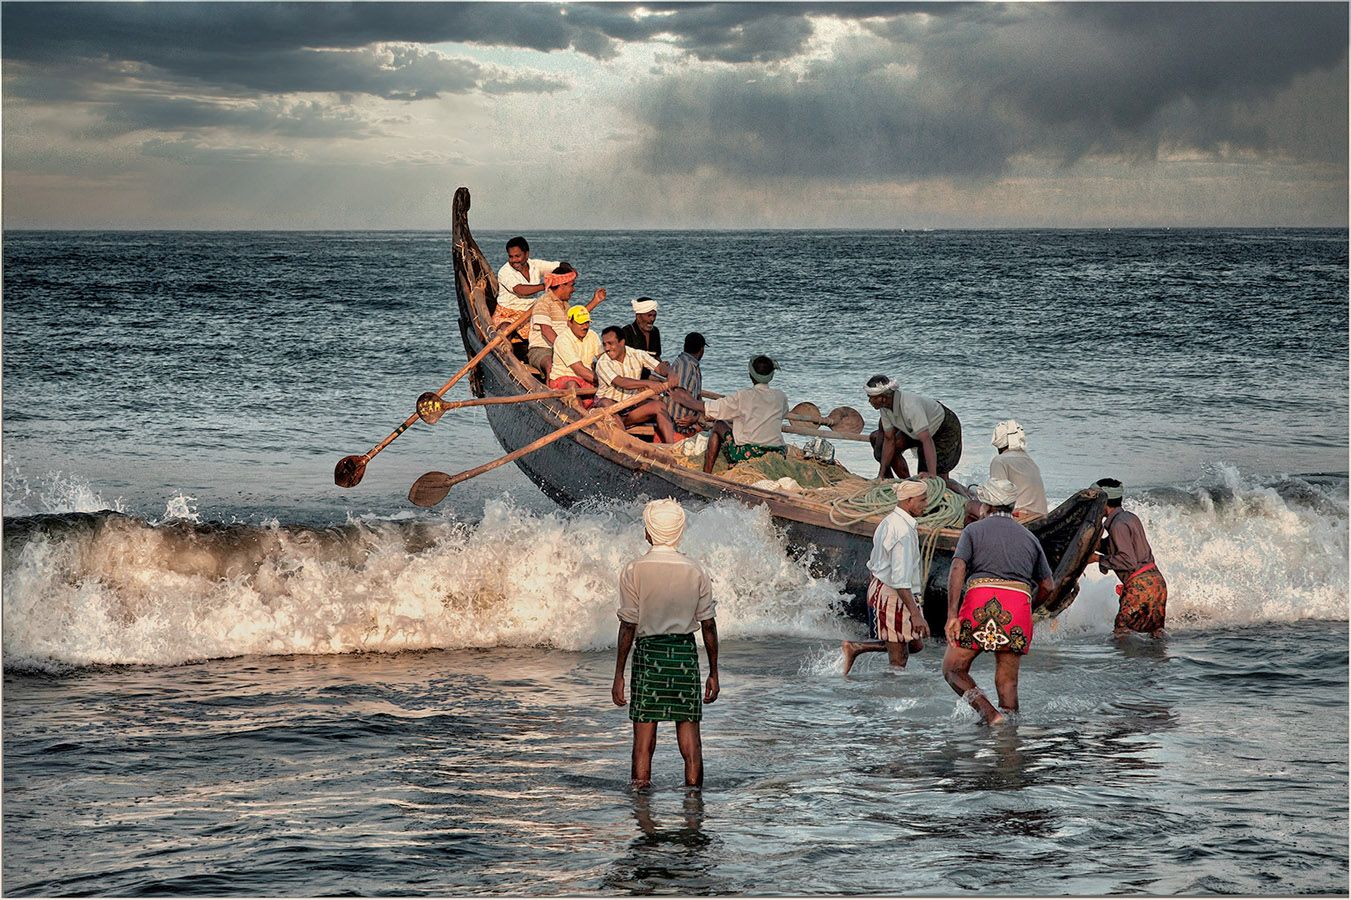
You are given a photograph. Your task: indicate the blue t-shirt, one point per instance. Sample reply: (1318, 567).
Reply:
(998, 547)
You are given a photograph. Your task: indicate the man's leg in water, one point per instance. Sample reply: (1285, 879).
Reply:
(644, 743)
(1006, 679)
(692, 749)
(957, 673)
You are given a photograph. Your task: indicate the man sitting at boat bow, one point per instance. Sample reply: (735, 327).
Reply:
(748, 423)
(519, 282)
(618, 377)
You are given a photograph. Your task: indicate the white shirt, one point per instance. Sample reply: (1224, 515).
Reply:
(569, 350)
(508, 278)
(912, 414)
(607, 370)
(1018, 467)
(895, 559)
(756, 414)
(665, 592)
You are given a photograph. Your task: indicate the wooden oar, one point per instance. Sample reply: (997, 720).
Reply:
(432, 487)
(833, 435)
(430, 406)
(349, 470)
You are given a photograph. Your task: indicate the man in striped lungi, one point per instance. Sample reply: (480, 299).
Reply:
(664, 596)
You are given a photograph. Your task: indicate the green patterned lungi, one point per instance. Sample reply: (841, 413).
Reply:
(665, 682)
(736, 453)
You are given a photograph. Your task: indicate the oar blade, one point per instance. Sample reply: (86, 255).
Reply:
(430, 489)
(430, 407)
(347, 473)
(846, 419)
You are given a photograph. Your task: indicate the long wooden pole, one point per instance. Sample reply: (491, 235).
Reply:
(430, 406)
(350, 469)
(433, 487)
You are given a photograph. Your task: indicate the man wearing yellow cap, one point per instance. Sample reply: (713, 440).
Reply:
(575, 352)
(895, 620)
(664, 597)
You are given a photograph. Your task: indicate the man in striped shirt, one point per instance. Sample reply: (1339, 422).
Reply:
(686, 373)
(618, 377)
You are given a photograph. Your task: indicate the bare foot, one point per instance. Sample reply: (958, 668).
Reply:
(850, 654)
(996, 719)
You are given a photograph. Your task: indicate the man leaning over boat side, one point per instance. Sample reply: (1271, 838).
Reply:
(1012, 463)
(575, 352)
(519, 282)
(687, 374)
(664, 597)
(895, 617)
(748, 423)
(1125, 550)
(618, 377)
(909, 420)
(995, 568)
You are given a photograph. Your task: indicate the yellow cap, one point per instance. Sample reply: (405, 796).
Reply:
(579, 314)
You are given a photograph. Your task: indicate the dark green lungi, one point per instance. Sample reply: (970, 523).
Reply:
(735, 453)
(665, 681)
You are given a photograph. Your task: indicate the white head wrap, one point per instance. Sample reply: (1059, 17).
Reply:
(910, 488)
(645, 306)
(879, 390)
(664, 521)
(1009, 434)
(997, 492)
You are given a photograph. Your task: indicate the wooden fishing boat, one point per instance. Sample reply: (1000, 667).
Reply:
(602, 460)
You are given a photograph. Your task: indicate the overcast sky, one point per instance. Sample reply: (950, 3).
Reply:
(269, 115)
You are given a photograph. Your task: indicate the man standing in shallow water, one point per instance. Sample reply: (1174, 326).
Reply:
(663, 597)
(1126, 551)
(895, 620)
(991, 611)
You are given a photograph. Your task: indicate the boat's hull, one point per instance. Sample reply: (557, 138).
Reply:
(588, 464)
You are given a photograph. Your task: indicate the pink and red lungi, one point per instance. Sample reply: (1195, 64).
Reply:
(888, 618)
(996, 615)
(1144, 600)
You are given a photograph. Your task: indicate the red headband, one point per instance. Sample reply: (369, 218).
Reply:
(552, 281)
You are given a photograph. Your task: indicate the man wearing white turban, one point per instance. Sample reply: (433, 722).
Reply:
(909, 420)
(991, 610)
(895, 619)
(746, 424)
(1125, 550)
(1011, 463)
(664, 597)
(642, 333)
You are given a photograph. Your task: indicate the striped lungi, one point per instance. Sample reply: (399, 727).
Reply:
(664, 686)
(888, 617)
(996, 615)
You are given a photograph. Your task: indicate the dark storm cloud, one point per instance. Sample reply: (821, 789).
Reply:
(959, 95)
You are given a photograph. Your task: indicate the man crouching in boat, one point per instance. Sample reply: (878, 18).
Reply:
(992, 609)
(895, 621)
(1126, 551)
(664, 596)
(617, 378)
(748, 423)
(910, 420)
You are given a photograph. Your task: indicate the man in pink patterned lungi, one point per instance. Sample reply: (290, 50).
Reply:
(895, 621)
(990, 610)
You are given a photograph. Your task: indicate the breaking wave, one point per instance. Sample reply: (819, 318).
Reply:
(84, 587)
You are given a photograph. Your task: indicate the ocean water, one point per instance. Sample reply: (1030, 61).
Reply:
(225, 675)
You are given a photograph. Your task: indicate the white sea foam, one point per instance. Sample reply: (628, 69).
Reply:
(125, 591)
(51, 492)
(118, 589)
